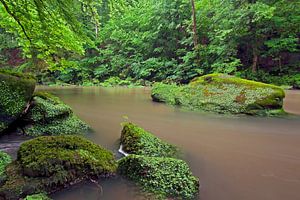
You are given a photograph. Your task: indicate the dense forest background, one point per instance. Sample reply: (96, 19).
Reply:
(126, 42)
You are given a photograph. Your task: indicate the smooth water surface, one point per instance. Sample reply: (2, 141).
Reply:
(236, 158)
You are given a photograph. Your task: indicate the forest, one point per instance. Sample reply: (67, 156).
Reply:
(149, 99)
(138, 42)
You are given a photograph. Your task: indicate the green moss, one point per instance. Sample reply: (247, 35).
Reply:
(15, 93)
(136, 140)
(40, 196)
(226, 94)
(66, 126)
(164, 93)
(49, 163)
(165, 177)
(5, 159)
(18, 74)
(48, 115)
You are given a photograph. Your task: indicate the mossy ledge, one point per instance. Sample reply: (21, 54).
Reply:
(48, 115)
(50, 163)
(163, 177)
(15, 93)
(221, 93)
(136, 140)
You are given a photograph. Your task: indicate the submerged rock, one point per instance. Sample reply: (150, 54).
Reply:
(15, 93)
(49, 163)
(164, 177)
(223, 94)
(136, 140)
(48, 115)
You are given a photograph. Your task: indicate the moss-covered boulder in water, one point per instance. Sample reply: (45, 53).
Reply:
(48, 115)
(15, 93)
(136, 140)
(223, 94)
(49, 163)
(165, 177)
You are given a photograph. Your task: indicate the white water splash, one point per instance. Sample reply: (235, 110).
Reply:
(121, 151)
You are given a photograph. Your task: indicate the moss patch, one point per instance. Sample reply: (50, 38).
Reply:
(5, 159)
(48, 115)
(136, 140)
(15, 93)
(165, 177)
(40, 196)
(224, 94)
(49, 163)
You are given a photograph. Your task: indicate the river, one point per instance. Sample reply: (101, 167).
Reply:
(236, 158)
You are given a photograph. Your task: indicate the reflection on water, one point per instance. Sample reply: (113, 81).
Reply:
(236, 158)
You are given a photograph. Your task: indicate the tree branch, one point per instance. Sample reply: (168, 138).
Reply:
(15, 18)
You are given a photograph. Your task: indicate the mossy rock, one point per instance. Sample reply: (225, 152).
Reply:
(165, 93)
(40, 196)
(50, 163)
(222, 93)
(136, 140)
(5, 159)
(165, 177)
(48, 115)
(15, 93)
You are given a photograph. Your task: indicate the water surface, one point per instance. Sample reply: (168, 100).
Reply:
(236, 158)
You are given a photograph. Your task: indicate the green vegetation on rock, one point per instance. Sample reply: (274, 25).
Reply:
(223, 94)
(15, 92)
(49, 163)
(48, 115)
(165, 177)
(136, 140)
(40, 196)
(5, 159)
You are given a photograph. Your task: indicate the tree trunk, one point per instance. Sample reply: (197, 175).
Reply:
(254, 60)
(194, 24)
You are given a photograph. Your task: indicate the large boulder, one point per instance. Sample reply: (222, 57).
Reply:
(136, 140)
(223, 94)
(163, 177)
(48, 115)
(15, 93)
(50, 163)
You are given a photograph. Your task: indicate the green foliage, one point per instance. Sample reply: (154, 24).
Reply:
(48, 164)
(90, 42)
(165, 177)
(223, 94)
(48, 115)
(5, 159)
(290, 78)
(40, 196)
(135, 140)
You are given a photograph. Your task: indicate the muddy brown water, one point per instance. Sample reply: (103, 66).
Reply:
(236, 158)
